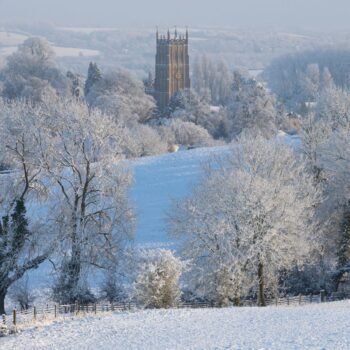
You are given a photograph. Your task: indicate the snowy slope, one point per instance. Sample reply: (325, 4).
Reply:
(322, 326)
(159, 180)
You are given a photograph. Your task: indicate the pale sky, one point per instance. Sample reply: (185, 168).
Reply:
(326, 15)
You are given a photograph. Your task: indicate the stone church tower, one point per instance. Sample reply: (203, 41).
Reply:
(172, 67)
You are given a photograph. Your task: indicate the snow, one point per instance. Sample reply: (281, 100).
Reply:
(74, 52)
(59, 51)
(322, 326)
(215, 108)
(88, 30)
(7, 51)
(159, 180)
(11, 39)
(10, 42)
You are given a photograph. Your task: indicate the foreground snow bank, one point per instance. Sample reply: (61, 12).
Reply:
(323, 326)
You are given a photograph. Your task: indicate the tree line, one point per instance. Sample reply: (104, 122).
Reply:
(269, 218)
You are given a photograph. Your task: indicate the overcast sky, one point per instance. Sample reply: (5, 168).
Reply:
(311, 14)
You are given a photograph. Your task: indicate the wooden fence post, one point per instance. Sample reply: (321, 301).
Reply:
(95, 308)
(322, 295)
(14, 318)
(299, 299)
(55, 310)
(288, 299)
(276, 301)
(34, 313)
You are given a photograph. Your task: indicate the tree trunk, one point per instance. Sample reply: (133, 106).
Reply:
(237, 301)
(262, 301)
(2, 302)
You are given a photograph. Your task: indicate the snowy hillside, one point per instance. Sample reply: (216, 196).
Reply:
(160, 179)
(323, 326)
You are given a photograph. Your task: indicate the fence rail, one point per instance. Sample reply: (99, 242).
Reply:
(47, 312)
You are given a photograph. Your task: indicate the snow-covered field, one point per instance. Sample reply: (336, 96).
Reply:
(11, 39)
(59, 51)
(9, 43)
(314, 327)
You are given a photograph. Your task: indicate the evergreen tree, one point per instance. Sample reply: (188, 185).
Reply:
(14, 238)
(344, 249)
(94, 75)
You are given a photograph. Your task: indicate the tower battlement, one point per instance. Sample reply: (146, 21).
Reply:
(172, 39)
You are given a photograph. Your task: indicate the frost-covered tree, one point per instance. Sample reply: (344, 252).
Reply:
(212, 80)
(300, 77)
(120, 94)
(251, 216)
(22, 247)
(88, 192)
(76, 82)
(31, 73)
(188, 106)
(336, 163)
(189, 134)
(145, 141)
(157, 281)
(333, 105)
(252, 108)
(344, 246)
(315, 133)
(311, 83)
(94, 75)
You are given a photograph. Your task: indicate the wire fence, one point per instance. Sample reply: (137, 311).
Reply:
(47, 312)
(51, 312)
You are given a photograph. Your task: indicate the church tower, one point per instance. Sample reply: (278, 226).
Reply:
(172, 67)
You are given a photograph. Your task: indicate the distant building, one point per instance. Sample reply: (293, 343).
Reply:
(172, 68)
